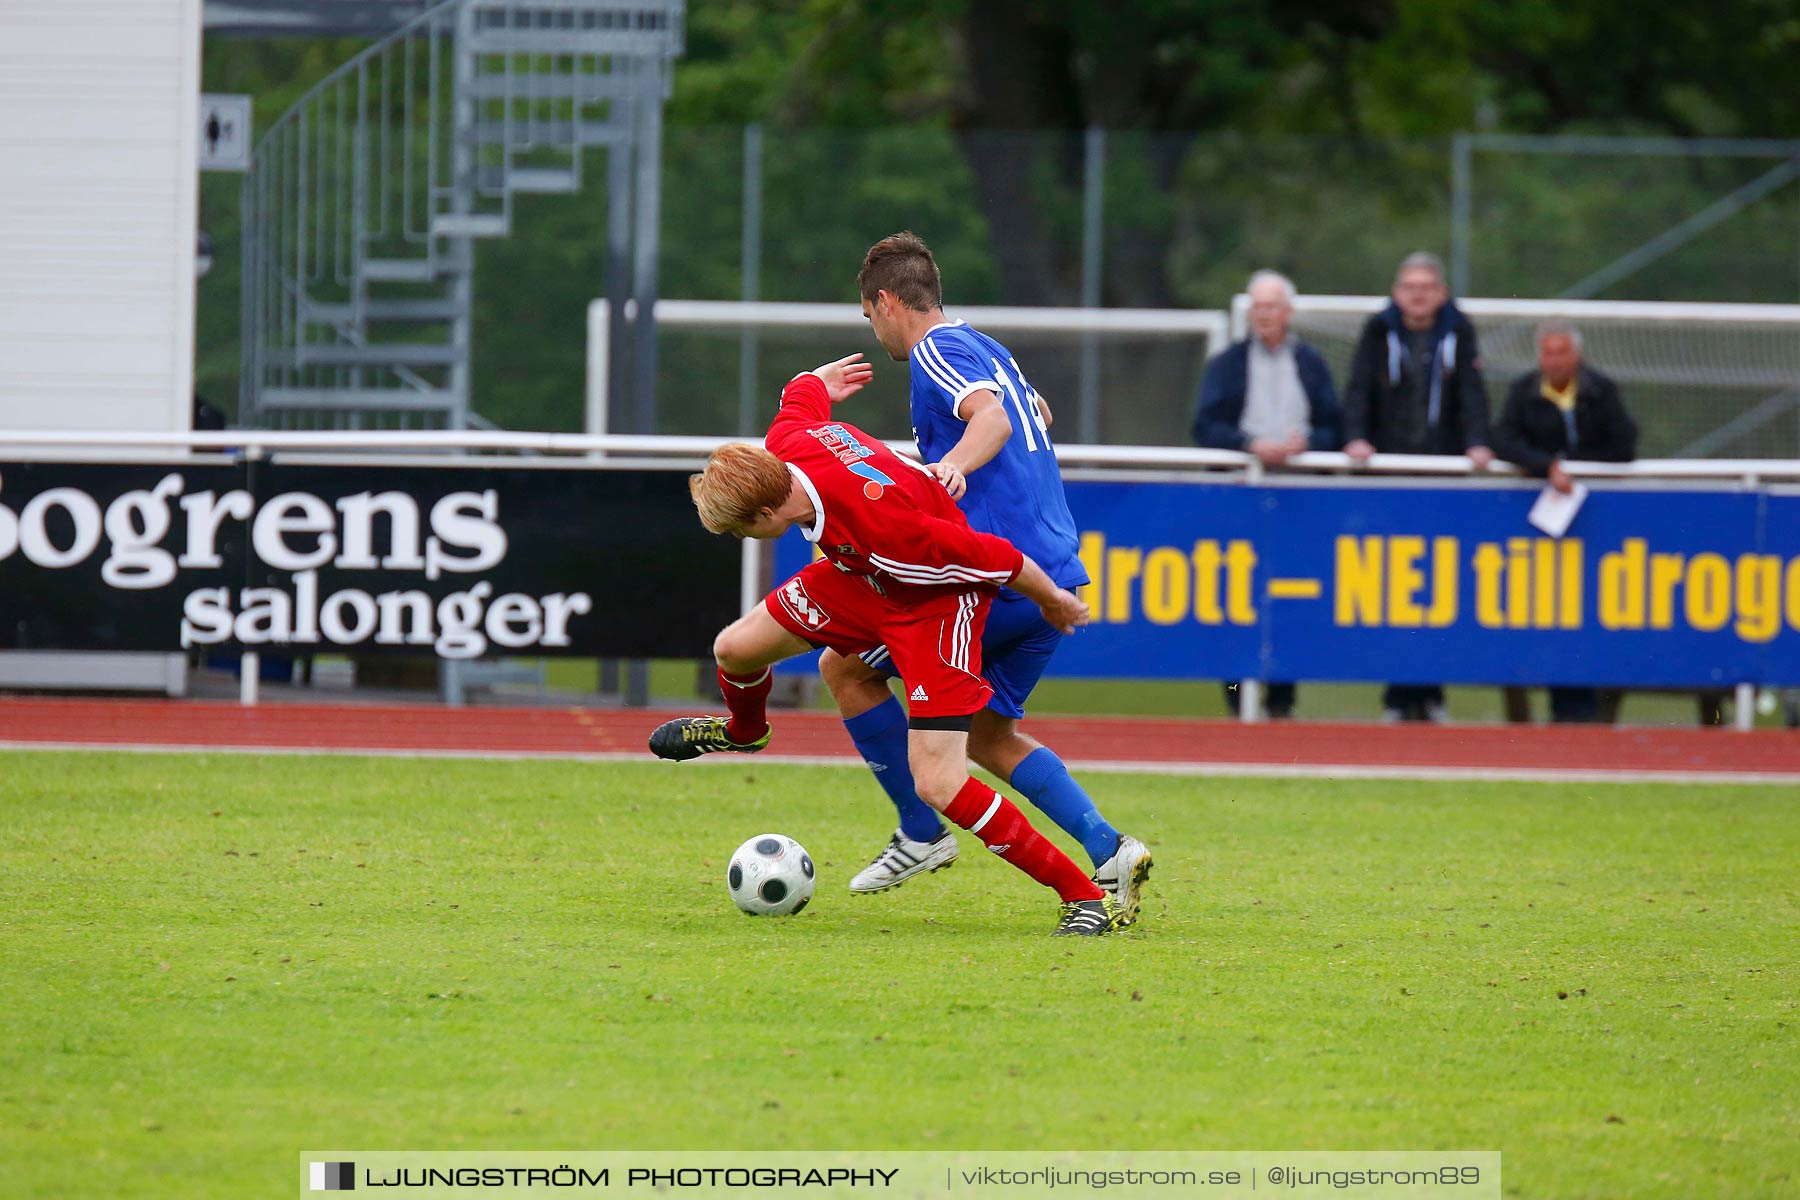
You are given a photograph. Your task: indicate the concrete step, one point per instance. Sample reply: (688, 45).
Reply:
(544, 180)
(480, 225)
(399, 312)
(404, 270)
(550, 134)
(591, 89)
(656, 45)
(381, 354)
(356, 399)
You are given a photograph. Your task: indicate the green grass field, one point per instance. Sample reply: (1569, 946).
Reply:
(213, 962)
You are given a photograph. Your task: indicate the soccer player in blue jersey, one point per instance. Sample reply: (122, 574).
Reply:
(984, 432)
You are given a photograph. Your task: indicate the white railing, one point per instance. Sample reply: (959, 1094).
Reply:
(64, 444)
(1563, 310)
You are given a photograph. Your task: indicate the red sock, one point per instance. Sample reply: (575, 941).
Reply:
(747, 699)
(993, 818)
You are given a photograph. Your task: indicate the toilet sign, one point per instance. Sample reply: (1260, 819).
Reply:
(224, 133)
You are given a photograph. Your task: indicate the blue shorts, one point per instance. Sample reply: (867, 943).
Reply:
(1016, 647)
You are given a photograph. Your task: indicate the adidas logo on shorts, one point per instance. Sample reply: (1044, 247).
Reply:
(918, 693)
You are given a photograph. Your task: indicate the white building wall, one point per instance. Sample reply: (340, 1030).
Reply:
(99, 126)
(99, 115)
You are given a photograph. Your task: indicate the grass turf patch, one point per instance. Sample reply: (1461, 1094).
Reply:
(216, 961)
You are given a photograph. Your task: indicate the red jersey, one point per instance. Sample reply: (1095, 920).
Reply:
(881, 516)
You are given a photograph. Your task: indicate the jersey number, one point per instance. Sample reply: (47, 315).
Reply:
(1027, 404)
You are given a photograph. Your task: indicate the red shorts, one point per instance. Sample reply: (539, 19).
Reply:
(936, 646)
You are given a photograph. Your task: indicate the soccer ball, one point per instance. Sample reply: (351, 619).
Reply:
(770, 876)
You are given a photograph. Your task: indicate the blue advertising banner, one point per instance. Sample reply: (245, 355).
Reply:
(1314, 580)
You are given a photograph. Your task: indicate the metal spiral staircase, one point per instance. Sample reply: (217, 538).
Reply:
(363, 202)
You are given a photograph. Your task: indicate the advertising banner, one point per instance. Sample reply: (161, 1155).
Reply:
(1316, 580)
(454, 559)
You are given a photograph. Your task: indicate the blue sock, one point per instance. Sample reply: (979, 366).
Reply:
(1043, 780)
(880, 737)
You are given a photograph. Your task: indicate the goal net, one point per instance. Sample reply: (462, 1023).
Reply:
(1111, 376)
(1702, 380)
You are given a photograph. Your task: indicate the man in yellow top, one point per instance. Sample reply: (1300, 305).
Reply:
(1563, 410)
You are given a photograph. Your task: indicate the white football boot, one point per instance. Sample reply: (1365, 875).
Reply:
(1122, 876)
(903, 858)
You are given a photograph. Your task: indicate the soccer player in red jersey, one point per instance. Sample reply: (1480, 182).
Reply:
(901, 568)
(1003, 474)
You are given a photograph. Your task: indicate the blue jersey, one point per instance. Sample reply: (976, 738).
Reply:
(1017, 494)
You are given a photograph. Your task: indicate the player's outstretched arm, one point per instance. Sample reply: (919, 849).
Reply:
(985, 432)
(845, 377)
(1063, 609)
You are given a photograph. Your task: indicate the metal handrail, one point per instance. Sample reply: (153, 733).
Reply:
(736, 314)
(363, 200)
(356, 61)
(651, 446)
(1485, 306)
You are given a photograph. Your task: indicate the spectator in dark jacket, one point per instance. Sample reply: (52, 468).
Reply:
(1270, 395)
(1415, 381)
(1563, 410)
(1416, 388)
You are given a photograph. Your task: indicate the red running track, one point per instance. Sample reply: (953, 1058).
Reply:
(1313, 748)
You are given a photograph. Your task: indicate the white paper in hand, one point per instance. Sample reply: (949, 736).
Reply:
(1554, 512)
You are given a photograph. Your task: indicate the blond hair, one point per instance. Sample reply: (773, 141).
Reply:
(740, 480)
